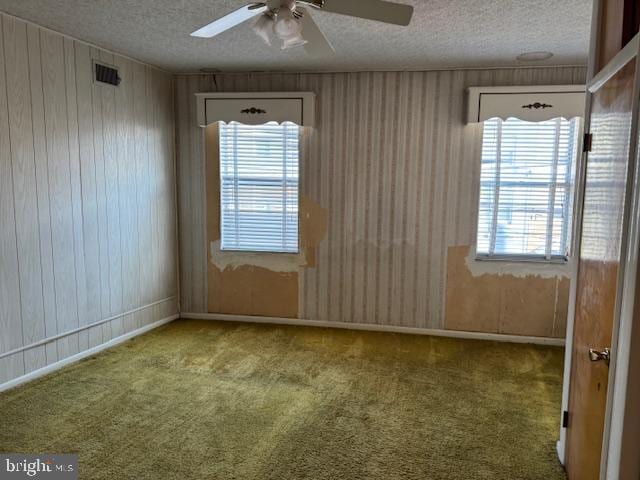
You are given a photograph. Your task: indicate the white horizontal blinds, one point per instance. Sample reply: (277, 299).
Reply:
(259, 187)
(525, 187)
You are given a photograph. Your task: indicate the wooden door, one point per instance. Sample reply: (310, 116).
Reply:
(598, 266)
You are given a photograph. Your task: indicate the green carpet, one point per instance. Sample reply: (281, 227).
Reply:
(214, 400)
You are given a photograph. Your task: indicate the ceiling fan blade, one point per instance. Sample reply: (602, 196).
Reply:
(387, 12)
(317, 44)
(231, 20)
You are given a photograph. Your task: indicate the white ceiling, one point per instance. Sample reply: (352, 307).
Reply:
(442, 34)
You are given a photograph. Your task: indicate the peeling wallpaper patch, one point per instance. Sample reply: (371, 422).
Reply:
(276, 262)
(516, 269)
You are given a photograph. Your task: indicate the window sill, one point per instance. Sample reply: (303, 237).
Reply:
(522, 259)
(253, 252)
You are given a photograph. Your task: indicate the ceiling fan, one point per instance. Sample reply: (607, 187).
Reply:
(292, 25)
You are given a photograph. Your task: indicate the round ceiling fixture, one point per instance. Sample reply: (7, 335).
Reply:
(534, 56)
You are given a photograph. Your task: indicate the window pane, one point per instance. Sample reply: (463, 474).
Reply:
(525, 187)
(259, 187)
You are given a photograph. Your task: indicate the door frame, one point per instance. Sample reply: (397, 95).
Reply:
(576, 229)
(614, 459)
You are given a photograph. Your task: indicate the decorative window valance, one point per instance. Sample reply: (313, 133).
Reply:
(256, 108)
(529, 103)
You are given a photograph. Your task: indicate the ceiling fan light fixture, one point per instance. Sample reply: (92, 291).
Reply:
(288, 29)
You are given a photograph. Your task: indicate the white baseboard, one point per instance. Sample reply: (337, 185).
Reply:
(87, 353)
(377, 328)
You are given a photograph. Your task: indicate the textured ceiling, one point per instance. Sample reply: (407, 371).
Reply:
(442, 34)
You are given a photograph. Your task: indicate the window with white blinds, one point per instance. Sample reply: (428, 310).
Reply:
(526, 188)
(259, 187)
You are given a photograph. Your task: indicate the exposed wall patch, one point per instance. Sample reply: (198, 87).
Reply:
(516, 269)
(501, 302)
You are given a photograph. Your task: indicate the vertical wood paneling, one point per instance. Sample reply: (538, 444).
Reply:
(103, 232)
(61, 204)
(24, 188)
(142, 197)
(161, 188)
(396, 168)
(42, 187)
(184, 180)
(87, 191)
(127, 189)
(76, 190)
(112, 189)
(151, 152)
(173, 240)
(154, 151)
(168, 190)
(10, 324)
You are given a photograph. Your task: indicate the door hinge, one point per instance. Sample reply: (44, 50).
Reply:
(586, 142)
(565, 419)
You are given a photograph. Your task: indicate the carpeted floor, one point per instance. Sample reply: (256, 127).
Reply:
(209, 400)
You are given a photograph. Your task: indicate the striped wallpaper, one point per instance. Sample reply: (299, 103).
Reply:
(395, 166)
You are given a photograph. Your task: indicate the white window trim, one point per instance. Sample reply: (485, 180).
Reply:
(276, 251)
(547, 258)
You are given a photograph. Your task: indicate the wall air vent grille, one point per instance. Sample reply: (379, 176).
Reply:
(106, 74)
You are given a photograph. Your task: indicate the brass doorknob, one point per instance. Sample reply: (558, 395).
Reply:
(597, 355)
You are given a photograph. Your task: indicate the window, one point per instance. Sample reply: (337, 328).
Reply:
(259, 187)
(526, 187)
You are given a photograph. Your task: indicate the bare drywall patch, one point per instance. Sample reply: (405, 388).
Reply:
(501, 302)
(516, 269)
(250, 290)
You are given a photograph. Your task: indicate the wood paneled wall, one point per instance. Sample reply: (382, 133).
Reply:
(87, 197)
(396, 168)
